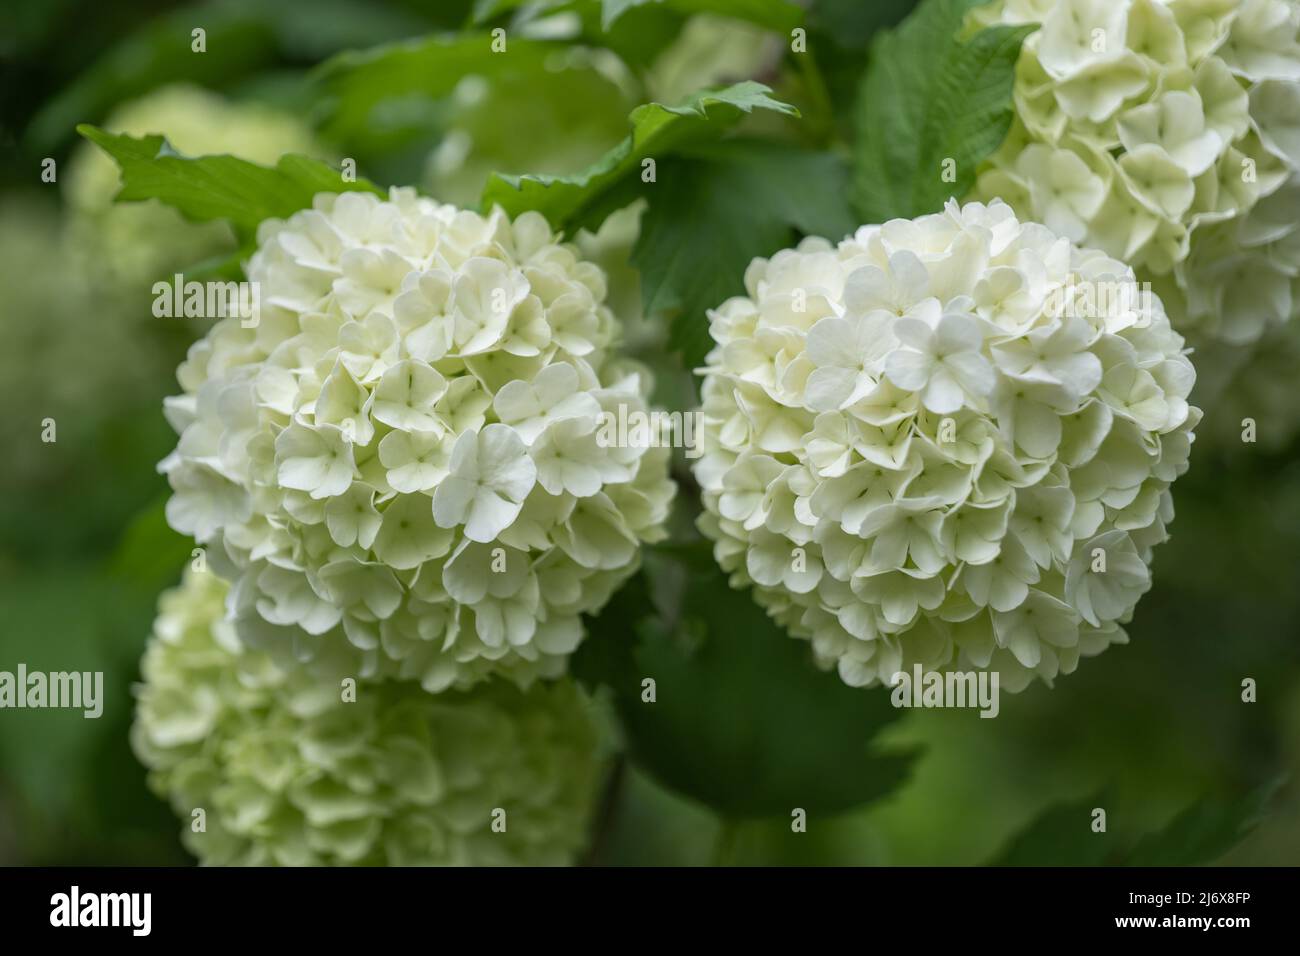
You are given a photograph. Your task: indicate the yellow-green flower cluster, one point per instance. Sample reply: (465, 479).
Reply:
(268, 767)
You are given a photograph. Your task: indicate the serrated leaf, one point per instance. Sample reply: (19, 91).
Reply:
(658, 132)
(204, 188)
(710, 214)
(742, 720)
(929, 97)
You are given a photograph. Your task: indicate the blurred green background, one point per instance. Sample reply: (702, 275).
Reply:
(1148, 730)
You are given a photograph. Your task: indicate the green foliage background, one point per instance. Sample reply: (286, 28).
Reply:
(755, 146)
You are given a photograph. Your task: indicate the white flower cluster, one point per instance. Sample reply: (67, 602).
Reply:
(400, 465)
(929, 444)
(289, 773)
(1164, 132)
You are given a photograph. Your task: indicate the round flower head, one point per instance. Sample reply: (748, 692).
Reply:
(287, 772)
(402, 461)
(1163, 132)
(947, 442)
(139, 242)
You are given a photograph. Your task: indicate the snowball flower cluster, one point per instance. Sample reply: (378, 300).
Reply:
(1164, 133)
(401, 464)
(946, 441)
(287, 772)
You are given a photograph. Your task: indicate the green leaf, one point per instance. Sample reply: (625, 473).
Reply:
(776, 15)
(713, 212)
(390, 90)
(639, 35)
(242, 36)
(1201, 834)
(742, 720)
(611, 10)
(554, 121)
(658, 131)
(928, 97)
(1061, 836)
(218, 187)
(150, 555)
(71, 788)
(851, 23)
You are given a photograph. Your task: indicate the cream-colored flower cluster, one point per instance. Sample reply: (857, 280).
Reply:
(267, 767)
(1165, 134)
(401, 464)
(946, 441)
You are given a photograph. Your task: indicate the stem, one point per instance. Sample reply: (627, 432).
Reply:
(822, 120)
(607, 812)
(726, 844)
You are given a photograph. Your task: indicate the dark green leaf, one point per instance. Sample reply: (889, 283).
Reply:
(710, 214)
(839, 35)
(1061, 836)
(851, 23)
(742, 720)
(150, 555)
(928, 98)
(1203, 832)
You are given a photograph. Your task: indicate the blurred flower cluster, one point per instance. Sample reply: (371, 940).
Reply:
(275, 768)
